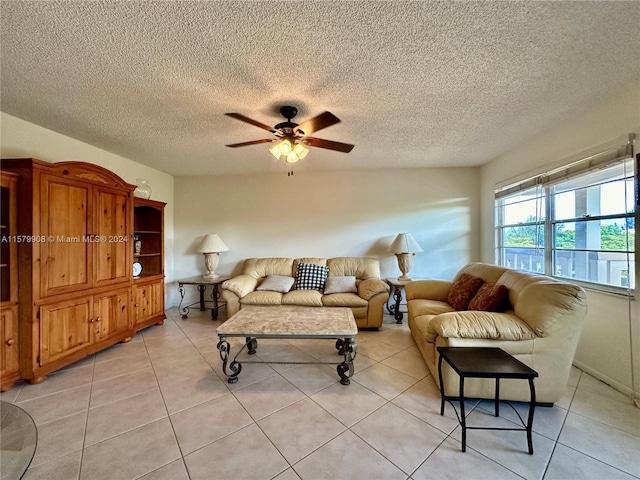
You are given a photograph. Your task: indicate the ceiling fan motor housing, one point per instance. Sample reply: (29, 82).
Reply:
(287, 112)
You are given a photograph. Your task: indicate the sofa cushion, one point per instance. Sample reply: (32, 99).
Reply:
(343, 300)
(422, 306)
(310, 277)
(263, 267)
(479, 325)
(490, 298)
(277, 283)
(360, 267)
(340, 284)
(308, 298)
(464, 288)
(262, 298)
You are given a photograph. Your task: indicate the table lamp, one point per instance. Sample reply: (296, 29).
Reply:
(211, 246)
(405, 247)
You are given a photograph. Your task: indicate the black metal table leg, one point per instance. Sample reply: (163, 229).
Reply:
(441, 385)
(235, 367)
(397, 296)
(463, 420)
(183, 310)
(345, 369)
(201, 289)
(215, 294)
(532, 407)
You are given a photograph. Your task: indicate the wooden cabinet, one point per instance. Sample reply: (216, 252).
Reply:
(75, 271)
(148, 289)
(65, 329)
(72, 326)
(148, 302)
(9, 348)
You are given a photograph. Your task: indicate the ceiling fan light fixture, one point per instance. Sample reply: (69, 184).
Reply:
(300, 150)
(292, 157)
(286, 146)
(275, 151)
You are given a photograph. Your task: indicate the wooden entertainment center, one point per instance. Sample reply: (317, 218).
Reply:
(75, 252)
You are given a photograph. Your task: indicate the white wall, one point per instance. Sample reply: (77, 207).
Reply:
(21, 139)
(604, 348)
(329, 214)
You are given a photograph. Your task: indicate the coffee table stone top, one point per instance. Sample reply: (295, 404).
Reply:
(283, 321)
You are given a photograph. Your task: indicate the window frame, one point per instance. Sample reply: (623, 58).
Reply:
(547, 182)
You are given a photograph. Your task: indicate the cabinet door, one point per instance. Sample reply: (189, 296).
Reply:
(149, 300)
(65, 327)
(111, 312)
(112, 241)
(9, 358)
(65, 223)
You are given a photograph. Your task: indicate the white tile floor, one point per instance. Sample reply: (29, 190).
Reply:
(159, 407)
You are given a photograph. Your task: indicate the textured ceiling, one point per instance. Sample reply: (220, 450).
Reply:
(416, 84)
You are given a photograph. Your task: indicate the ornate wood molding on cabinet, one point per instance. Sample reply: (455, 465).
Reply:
(77, 293)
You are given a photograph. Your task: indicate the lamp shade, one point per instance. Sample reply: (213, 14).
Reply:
(405, 243)
(212, 243)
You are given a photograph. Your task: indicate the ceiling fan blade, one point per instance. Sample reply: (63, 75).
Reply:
(318, 122)
(328, 144)
(242, 118)
(253, 142)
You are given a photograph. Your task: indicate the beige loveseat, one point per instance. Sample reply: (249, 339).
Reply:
(540, 325)
(367, 299)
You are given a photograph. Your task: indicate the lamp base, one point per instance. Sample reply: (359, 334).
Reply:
(211, 260)
(405, 260)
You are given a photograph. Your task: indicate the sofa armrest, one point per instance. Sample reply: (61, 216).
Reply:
(240, 285)
(479, 325)
(370, 287)
(428, 289)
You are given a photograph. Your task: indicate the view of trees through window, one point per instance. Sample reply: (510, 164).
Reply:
(582, 228)
(613, 237)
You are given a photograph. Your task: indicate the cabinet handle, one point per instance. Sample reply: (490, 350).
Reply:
(11, 341)
(98, 319)
(91, 321)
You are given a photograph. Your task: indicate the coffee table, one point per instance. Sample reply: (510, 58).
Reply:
(482, 362)
(289, 322)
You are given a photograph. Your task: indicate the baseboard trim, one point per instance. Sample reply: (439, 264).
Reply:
(609, 381)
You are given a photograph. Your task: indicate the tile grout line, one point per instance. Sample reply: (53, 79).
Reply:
(166, 408)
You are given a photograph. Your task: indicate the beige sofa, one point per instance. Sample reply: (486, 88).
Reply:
(540, 326)
(367, 303)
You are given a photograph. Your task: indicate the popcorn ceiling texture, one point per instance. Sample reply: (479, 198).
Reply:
(416, 84)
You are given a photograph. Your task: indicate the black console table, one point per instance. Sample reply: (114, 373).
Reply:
(477, 362)
(201, 284)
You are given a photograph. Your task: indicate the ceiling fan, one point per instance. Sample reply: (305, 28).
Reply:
(292, 137)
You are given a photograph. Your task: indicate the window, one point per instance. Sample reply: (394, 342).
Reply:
(576, 225)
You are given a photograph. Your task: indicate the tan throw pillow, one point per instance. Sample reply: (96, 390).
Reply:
(277, 283)
(490, 298)
(340, 284)
(463, 290)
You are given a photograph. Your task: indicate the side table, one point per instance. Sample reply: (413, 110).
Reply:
(480, 362)
(396, 293)
(201, 284)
